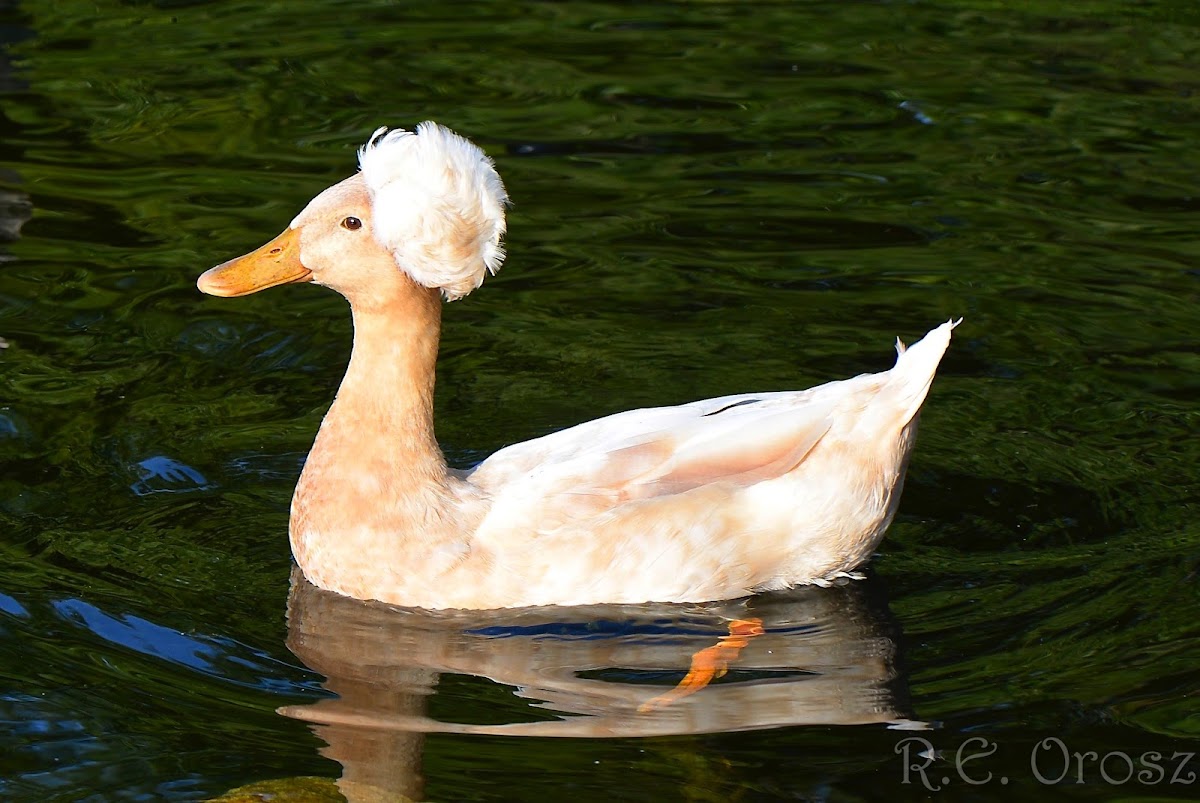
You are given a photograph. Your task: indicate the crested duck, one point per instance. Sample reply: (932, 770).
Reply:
(716, 499)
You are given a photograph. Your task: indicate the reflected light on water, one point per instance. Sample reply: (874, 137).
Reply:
(827, 657)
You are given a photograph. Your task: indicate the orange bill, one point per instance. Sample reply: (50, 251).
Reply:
(277, 262)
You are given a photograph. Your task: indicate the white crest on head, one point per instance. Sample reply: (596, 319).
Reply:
(437, 205)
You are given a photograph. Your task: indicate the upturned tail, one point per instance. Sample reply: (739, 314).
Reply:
(913, 373)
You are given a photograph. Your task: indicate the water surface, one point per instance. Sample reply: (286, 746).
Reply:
(708, 198)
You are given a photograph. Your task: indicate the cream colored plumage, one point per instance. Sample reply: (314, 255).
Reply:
(710, 500)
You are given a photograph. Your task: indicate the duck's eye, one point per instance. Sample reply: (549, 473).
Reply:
(352, 223)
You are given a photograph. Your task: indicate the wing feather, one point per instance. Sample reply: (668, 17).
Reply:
(640, 454)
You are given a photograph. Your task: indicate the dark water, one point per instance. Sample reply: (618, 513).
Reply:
(709, 199)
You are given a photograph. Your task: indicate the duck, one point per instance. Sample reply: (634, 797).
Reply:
(710, 500)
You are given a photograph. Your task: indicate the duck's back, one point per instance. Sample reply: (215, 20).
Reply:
(713, 499)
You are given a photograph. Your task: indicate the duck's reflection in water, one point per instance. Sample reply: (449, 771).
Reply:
(825, 656)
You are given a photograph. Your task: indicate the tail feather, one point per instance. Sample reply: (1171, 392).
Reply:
(910, 378)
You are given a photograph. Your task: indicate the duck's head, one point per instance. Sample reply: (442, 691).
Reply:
(427, 207)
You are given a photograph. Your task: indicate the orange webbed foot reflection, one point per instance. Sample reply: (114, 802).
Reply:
(709, 664)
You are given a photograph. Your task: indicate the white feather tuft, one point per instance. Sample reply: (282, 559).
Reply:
(437, 204)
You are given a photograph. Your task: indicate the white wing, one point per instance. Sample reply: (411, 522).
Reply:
(731, 441)
(664, 450)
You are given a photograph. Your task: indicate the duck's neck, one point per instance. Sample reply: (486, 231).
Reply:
(376, 453)
(387, 392)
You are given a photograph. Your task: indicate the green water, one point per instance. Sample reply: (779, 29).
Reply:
(709, 198)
